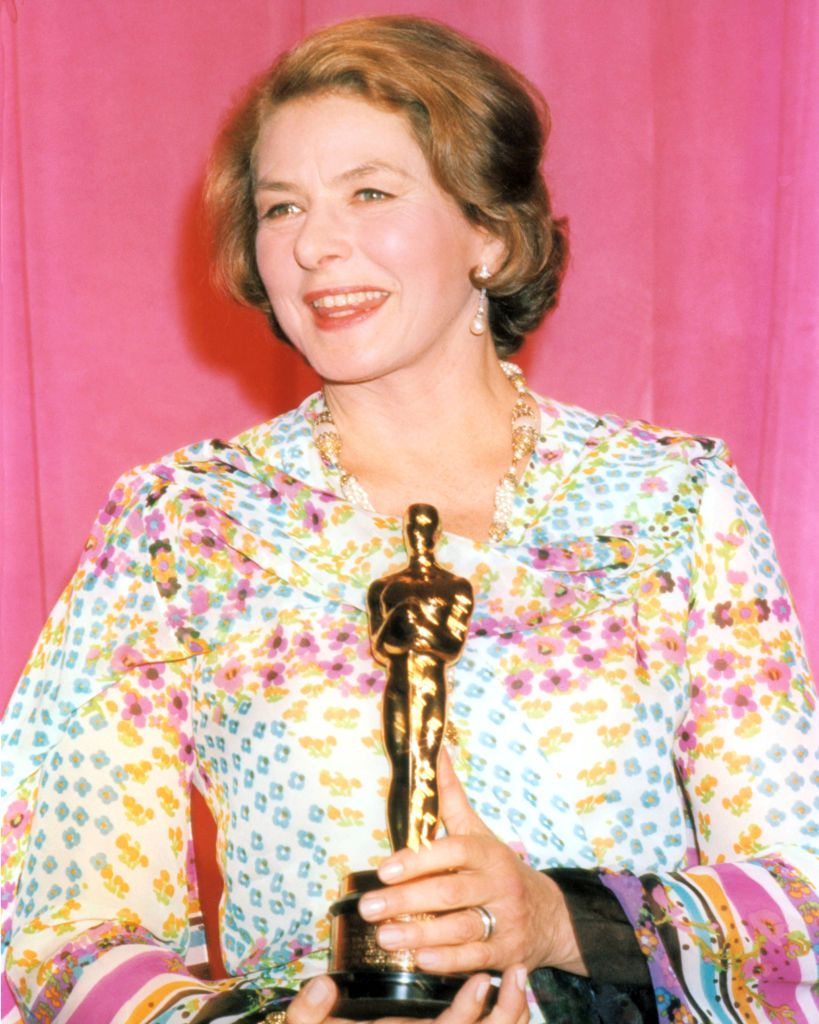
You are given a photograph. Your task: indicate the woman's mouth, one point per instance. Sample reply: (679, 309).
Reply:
(334, 308)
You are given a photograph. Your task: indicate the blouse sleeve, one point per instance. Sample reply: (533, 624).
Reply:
(735, 935)
(97, 847)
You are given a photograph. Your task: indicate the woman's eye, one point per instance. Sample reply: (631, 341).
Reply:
(370, 195)
(280, 210)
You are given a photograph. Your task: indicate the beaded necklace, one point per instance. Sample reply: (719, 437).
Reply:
(524, 438)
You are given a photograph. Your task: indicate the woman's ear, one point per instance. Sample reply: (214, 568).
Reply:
(494, 252)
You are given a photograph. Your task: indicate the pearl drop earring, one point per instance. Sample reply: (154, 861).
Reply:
(479, 320)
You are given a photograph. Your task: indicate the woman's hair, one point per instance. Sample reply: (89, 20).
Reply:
(480, 124)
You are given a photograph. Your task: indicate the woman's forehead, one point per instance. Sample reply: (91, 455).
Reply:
(339, 126)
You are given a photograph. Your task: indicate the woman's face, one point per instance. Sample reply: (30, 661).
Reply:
(365, 259)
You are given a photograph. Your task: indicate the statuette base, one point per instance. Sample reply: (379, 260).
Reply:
(374, 982)
(367, 995)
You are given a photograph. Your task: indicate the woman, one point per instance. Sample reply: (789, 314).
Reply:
(627, 811)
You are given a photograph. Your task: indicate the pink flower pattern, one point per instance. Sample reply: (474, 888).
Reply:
(136, 709)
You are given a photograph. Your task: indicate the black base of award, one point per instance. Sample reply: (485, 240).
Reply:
(368, 995)
(373, 982)
(395, 993)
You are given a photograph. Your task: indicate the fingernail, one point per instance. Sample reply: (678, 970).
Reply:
(391, 936)
(427, 958)
(370, 906)
(390, 869)
(520, 978)
(317, 991)
(481, 990)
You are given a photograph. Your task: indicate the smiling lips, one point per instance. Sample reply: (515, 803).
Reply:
(336, 308)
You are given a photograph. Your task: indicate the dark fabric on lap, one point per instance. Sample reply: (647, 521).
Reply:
(604, 934)
(618, 989)
(569, 999)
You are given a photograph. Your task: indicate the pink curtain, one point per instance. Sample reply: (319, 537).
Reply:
(685, 150)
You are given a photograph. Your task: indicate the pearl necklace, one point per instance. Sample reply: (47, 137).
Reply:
(525, 434)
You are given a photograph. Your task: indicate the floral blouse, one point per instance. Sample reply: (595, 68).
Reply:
(633, 700)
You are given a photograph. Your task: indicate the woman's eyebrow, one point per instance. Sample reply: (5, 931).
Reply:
(362, 170)
(353, 174)
(271, 185)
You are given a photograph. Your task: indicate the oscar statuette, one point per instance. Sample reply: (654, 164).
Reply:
(418, 624)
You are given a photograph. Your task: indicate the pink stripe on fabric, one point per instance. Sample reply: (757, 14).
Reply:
(10, 1013)
(116, 987)
(767, 918)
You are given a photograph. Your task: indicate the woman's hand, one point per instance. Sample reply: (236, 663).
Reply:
(470, 868)
(314, 1003)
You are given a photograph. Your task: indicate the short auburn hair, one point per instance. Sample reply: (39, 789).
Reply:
(480, 124)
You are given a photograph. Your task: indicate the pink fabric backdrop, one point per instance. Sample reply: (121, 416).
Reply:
(685, 150)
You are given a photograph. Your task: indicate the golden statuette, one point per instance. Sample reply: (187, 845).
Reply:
(418, 623)
(419, 619)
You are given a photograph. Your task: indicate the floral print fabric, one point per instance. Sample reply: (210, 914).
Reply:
(633, 699)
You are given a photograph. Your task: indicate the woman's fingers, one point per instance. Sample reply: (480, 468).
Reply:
(475, 956)
(451, 889)
(456, 811)
(510, 1008)
(314, 1003)
(465, 841)
(459, 928)
(468, 1004)
(452, 853)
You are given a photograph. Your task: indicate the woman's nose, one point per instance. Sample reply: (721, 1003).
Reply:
(323, 237)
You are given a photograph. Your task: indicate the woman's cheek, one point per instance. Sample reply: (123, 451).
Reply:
(280, 276)
(397, 239)
(292, 317)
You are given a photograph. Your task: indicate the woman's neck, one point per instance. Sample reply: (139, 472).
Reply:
(413, 410)
(442, 436)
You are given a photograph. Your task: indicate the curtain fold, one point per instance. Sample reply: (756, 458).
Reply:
(22, 579)
(788, 457)
(685, 151)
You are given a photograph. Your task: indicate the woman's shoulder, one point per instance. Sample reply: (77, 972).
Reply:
(607, 437)
(598, 470)
(281, 444)
(221, 471)
(641, 490)
(286, 441)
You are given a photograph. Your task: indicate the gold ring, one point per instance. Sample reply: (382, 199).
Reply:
(488, 921)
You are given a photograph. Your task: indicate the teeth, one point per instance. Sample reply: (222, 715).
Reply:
(345, 299)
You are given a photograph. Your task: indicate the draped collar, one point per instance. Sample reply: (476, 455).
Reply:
(282, 508)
